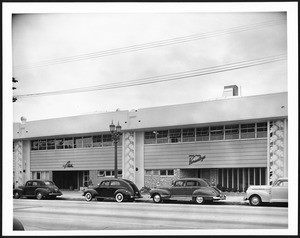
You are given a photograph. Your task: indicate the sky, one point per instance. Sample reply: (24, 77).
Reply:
(42, 41)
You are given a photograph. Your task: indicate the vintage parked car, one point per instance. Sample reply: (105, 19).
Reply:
(37, 188)
(113, 188)
(276, 193)
(199, 190)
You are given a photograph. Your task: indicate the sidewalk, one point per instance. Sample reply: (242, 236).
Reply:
(231, 198)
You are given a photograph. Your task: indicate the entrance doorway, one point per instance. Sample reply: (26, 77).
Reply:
(66, 179)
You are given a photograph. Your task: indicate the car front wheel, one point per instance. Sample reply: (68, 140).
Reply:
(17, 195)
(119, 197)
(255, 200)
(39, 195)
(88, 197)
(156, 198)
(199, 200)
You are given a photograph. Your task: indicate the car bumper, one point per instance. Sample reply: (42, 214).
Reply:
(221, 197)
(55, 194)
(136, 196)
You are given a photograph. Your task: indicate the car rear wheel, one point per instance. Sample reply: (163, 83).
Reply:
(17, 195)
(199, 200)
(255, 200)
(119, 197)
(88, 197)
(156, 198)
(39, 195)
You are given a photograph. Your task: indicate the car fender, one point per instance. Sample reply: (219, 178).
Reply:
(263, 194)
(123, 191)
(204, 192)
(43, 191)
(92, 191)
(161, 191)
(19, 190)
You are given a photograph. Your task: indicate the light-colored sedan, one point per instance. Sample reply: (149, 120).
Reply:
(276, 193)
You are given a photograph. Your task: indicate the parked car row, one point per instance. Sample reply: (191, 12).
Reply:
(196, 189)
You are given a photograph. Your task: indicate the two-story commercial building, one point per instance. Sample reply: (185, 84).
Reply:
(234, 141)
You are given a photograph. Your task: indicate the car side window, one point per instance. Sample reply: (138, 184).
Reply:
(178, 183)
(115, 183)
(40, 183)
(203, 184)
(104, 184)
(282, 184)
(29, 183)
(34, 183)
(191, 183)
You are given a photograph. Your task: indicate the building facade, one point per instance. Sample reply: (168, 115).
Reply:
(233, 141)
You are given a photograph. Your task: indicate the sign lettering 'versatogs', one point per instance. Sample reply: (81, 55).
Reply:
(68, 165)
(195, 158)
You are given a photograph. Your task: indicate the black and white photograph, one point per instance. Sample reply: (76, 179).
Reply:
(150, 118)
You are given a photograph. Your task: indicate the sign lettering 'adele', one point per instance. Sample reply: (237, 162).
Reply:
(68, 165)
(196, 158)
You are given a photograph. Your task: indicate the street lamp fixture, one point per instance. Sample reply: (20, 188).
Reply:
(115, 134)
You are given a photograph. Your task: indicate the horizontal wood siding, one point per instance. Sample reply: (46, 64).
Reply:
(219, 154)
(82, 159)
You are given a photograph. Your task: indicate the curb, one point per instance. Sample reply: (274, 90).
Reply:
(147, 199)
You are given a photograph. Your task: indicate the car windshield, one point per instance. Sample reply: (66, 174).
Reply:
(49, 183)
(208, 183)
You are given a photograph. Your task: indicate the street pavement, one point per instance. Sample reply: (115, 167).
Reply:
(231, 198)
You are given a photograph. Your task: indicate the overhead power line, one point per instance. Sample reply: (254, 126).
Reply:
(150, 45)
(166, 77)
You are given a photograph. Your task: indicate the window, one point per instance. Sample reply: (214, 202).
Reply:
(175, 136)
(170, 172)
(282, 183)
(247, 131)
(155, 172)
(50, 144)
(179, 183)
(107, 140)
(34, 145)
(188, 134)
(163, 172)
(68, 143)
(87, 141)
(148, 172)
(191, 183)
(261, 130)
(150, 137)
(104, 183)
(216, 133)
(59, 144)
(38, 175)
(232, 132)
(162, 136)
(29, 183)
(78, 142)
(101, 173)
(204, 184)
(42, 144)
(97, 141)
(202, 134)
(166, 172)
(115, 183)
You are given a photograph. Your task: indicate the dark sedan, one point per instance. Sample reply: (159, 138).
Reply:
(199, 190)
(113, 188)
(37, 188)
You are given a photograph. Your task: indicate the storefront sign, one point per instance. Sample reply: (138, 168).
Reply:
(68, 165)
(196, 158)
